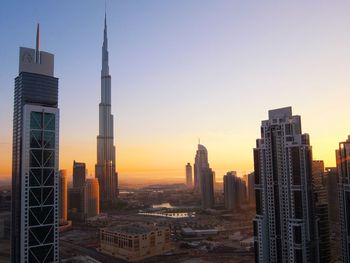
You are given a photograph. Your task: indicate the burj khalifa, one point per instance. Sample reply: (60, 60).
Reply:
(105, 169)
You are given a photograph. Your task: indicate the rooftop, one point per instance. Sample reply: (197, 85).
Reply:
(133, 229)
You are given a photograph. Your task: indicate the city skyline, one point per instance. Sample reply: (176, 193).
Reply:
(156, 114)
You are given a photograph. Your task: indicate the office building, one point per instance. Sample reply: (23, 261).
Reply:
(105, 169)
(200, 164)
(333, 190)
(250, 189)
(321, 210)
(204, 177)
(91, 198)
(207, 188)
(63, 197)
(189, 175)
(343, 165)
(234, 191)
(76, 204)
(135, 242)
(35, 158)
(284, 227)
(79, 174)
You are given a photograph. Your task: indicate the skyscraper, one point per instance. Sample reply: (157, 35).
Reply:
(250, 189)
(105, 169)
(321, 210)
(189, 175)
(63, 197)
(79, 174)
(332, 179)
(203, 177)
(91, 198)
(200, 164)
(284, 226)
(234, 191)
(343, 165)
(35, 158)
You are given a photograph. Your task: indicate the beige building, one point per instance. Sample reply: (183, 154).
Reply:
(63, 197)
(91, 197)
(135, 242)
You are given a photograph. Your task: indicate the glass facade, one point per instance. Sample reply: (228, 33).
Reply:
(41, 187)
(34, 214)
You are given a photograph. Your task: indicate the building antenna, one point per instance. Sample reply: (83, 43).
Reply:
(37, 48)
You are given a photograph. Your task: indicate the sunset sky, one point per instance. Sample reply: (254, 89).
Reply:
(183, 70)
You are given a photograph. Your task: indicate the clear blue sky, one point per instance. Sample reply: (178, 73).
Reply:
(181, 70)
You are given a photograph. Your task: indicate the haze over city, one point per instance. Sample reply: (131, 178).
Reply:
(184, 71)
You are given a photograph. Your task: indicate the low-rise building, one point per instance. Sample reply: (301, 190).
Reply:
(135, 242)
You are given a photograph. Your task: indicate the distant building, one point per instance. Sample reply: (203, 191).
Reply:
(207, 188)
(91, 198)
(105, 168)
(284, 227)
(204, 177)
(63, 197)
(188, 232)
(135, 242)
(76, 204)
(189, 175)
(343, 165)
(250, 189)
(79, 174)
(34, 231)
(80, 259)
(5, 225)
(333, 190)
(200, 164)
(321, 210)
(234, 191)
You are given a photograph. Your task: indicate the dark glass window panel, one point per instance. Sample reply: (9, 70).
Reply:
(43, 254)
(35, 197)
(255, 228)
(48, 198)
(41, 215)
(35, 158)
(43, 234)
(298, 256)
(258, 202)
(48, 177)
(35, 139)
(298, 206)
(347, 205)
(295, 154)
(288, 129)
(35, 177)
(49, 121)
(256, 250)
(49, 140)
(256, 166)
(49, 158)
(297, 234)
(36, 121)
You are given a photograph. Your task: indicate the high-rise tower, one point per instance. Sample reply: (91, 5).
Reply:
(203, 177)
(284, 225)
(91, 198)
(235, 191)
(189, 175)
(35, 159)
(343, 166)
(79, 174)
(105, 169)
(63, 197)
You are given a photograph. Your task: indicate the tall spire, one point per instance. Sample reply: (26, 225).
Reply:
(37, 49)
(105, 67)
